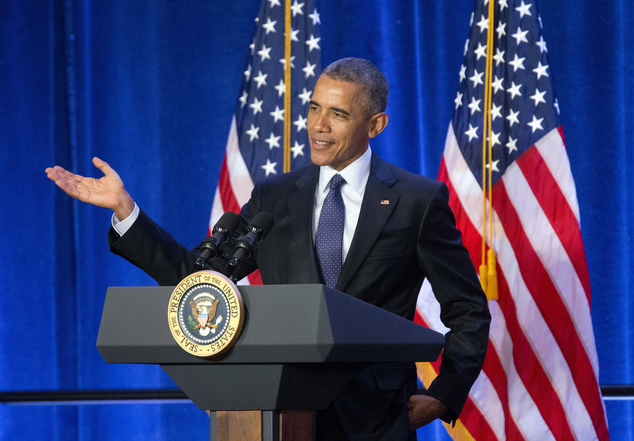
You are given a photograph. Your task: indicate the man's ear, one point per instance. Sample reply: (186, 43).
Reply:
(377, 124)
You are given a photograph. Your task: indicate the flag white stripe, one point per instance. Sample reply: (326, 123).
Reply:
(552, 149)
(217, 209)
(525, 412)
(486, 399)
(429, 308)
(241, 182)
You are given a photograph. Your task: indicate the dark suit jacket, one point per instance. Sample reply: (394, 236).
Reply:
(405, 233)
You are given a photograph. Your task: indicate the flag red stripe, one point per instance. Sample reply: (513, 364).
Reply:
(475, 423)
(557, 210)
(420, 320)
(255, 278)
(227, 198)
(560, 129)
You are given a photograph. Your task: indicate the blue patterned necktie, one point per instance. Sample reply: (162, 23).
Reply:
(330, 233)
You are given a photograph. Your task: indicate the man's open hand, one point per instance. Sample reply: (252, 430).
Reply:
(108, 191)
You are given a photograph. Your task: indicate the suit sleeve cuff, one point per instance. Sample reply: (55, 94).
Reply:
(122, 226)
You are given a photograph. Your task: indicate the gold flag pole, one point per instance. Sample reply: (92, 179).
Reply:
(287, 84)
(488, 272)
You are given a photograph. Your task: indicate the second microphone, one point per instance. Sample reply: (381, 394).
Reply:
(244, 246)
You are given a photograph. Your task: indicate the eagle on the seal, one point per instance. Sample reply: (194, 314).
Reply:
(205, 322)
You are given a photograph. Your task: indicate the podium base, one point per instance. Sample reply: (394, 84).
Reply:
(255, 425)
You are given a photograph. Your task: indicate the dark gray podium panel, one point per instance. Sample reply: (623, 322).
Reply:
(284, 324)
(304, 386)
(300, 345)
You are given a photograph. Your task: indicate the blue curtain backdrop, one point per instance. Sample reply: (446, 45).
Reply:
(150, 86)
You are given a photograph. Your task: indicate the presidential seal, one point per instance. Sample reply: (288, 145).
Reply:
(205, 313)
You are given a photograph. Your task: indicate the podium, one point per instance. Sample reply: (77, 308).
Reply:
(300, 345)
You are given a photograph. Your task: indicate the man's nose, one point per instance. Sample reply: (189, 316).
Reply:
(320, 123)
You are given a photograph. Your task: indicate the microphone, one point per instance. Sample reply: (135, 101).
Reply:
(222, 231)
(257, 229)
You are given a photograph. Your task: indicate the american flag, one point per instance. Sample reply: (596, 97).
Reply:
(540, 377)
(255, 146)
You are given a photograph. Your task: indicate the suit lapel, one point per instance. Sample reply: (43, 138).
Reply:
(300, 209)
(379, 201)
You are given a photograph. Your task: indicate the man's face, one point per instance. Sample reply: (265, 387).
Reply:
(338, 126)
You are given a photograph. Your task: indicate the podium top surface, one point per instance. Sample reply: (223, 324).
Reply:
(284, 324)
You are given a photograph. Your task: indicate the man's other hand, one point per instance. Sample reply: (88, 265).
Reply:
(424, 409)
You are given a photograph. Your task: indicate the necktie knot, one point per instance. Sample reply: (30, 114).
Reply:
(336, 182)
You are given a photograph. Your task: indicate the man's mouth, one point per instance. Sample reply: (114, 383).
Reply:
(321, 143)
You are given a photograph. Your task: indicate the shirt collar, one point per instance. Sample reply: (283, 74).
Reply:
(356, 174)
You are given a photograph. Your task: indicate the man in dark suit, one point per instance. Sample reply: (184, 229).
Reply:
(397, 230)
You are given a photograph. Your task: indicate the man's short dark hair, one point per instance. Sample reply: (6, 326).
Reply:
(367, 76)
